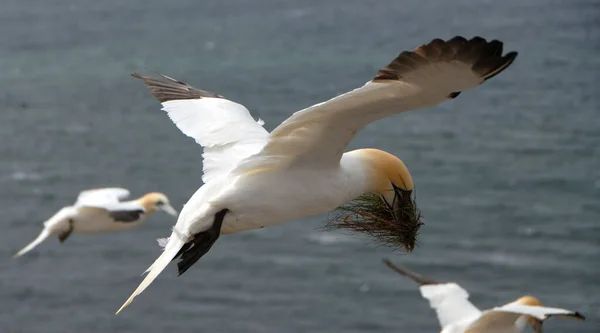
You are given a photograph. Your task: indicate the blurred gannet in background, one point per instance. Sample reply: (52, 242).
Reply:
(457, 315)
(100, 210)
(253, 178)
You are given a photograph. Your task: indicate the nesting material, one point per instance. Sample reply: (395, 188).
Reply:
(371, 215)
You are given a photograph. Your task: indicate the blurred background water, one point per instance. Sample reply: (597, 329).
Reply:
(508, 174)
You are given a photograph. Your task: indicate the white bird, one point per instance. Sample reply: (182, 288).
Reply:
(253, 178)
(101, 210)
(457, 315)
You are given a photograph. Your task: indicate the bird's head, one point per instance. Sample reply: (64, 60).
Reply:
(535, 323)
(156, 201)
(387, 210)
(529, 300)
(388, 176)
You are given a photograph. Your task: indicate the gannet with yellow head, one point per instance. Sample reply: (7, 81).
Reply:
(388, 211)
(457, 315)
(254, 179)
(101, 210)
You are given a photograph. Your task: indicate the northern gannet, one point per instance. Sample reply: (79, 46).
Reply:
(457, 315)
(254, 179)
(101, 210)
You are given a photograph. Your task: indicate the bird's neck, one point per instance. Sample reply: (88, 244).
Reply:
(362, 175)
(146, 203)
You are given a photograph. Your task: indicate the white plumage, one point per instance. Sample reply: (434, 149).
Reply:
(255, 179)
(224, 128)
(450, 301)
(101, 210)
(101, 197)
(456, 314)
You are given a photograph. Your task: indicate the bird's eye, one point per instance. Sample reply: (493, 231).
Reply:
(159, 203)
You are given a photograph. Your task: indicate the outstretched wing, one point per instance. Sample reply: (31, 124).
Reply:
(449, 300)
(109, 200)
(101, 197)
(224, 128)
(427, 76)
(503, 318)
(539, 312)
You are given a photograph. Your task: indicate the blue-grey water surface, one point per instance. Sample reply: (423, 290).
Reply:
(508, 174)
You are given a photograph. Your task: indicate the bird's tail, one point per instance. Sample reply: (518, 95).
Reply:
(40, 238)
(174, 244)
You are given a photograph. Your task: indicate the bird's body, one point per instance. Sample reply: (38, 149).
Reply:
(456, 314)
(88, 220)
(300, 190)
(99, 211)
(255, 179)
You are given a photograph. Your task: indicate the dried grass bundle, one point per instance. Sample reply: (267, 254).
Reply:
(371, 215)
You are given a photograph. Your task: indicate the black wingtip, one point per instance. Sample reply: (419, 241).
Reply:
(165, 88)
(484, 57)
(418, 278)
(509, 58)
(454, 94)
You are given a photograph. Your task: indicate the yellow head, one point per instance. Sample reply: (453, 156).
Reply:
(529, 300)
(535, 323)
(387, 209)
(156, 201)
(387, 171)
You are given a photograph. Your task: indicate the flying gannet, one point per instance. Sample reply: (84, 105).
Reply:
(100, 210)
(254, 179)
(457, 315)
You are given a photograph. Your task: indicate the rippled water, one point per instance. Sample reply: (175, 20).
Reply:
(508, 174)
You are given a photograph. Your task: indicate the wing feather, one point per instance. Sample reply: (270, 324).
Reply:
(429, 75)
(101, 197)
(504, 318)
(449, 300)
(539, 312)
(224, 128)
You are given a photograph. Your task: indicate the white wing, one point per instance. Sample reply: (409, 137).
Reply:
(224, 128)
(101, 197)
(500, 319)
(449, 300)
(539, 312)
(431, 74)
(127, 211)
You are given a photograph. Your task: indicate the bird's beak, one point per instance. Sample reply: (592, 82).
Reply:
(403, 206)
(169, 209)
(405, 215)
(536, 324)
